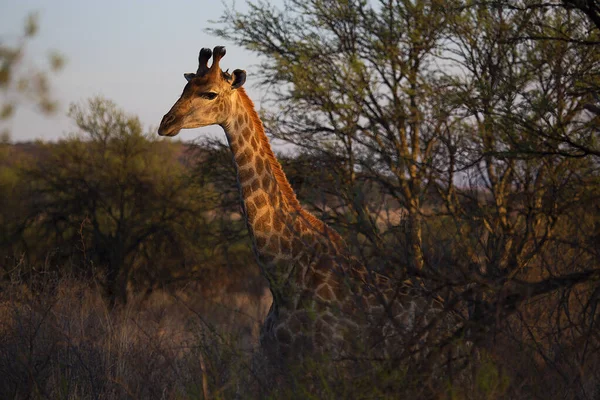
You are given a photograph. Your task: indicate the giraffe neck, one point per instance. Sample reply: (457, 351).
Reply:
(278, 225)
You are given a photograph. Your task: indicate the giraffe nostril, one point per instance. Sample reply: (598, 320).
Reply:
(168, 119)
(168, 125)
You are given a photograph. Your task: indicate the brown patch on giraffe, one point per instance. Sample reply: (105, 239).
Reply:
(240, 118)
(274, 244)
(287, 233)
(256, 185)
(254, 143)
(244, 158)
(325, 292)
(260, 166)
(263, 222)
(266, 181)
(261, 241)
(278, 223)
(240, 144)
(245, 175)
(260, 200)
(285, 245)
(298, 226)
(316, 279)
(247, 133)
(339, 289)
(308, 237)
(247, 191)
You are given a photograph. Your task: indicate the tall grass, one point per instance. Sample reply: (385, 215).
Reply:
(62, 341)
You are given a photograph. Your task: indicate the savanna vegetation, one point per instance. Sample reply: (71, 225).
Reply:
(453, 143)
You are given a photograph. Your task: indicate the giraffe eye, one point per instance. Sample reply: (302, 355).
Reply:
(208, 95)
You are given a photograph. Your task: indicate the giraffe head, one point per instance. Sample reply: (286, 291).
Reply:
(206, 98)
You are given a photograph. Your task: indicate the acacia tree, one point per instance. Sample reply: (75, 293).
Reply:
(116, 196)
(353, 82)
(20, 82)
(490, 103)
(532, 167)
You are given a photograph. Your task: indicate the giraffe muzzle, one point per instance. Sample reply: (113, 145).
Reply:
(168, 126)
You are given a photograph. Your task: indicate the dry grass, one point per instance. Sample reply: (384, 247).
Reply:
(63, 342)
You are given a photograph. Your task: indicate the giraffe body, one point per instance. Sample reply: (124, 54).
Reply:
(323, 300)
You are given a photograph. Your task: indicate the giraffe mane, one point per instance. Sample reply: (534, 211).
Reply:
(284, 185)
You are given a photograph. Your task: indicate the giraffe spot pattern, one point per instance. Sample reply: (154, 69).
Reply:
(286, 245)
(240, 141)
(255, 185)
(262, 223)
(266, 181)
(274, 244)
(260, 201)
(243, 158)
(278, 225)
(247, 133)
(316, 278)
(245, 175)
(325, 293)
(261, 241)
(260, 166)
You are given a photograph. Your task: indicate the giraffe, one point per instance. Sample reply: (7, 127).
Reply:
(324, 301)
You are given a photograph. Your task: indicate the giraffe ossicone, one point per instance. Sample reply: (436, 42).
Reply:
(324, 301)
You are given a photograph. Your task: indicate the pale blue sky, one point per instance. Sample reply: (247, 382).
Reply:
(133, 52)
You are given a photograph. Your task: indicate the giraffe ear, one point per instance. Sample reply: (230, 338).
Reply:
(239, 77)
(190, 76)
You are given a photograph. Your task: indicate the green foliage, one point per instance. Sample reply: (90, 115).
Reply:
(476, 124)
(115, 200)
